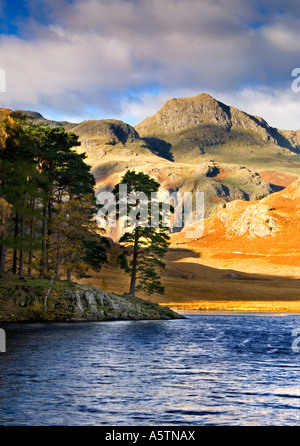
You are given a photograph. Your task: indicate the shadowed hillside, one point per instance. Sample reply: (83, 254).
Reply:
(260, 236)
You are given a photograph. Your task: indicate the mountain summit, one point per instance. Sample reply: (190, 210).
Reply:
(201, 125)
(202, 110)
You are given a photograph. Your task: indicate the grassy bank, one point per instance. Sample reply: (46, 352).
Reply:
(193, 283)
(23, 299)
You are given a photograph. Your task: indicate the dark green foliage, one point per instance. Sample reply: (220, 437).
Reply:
(41, 178)
(124, 263)
(145, 244)
(96, 252)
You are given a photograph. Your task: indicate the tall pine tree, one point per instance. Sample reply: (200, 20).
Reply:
(146, 245)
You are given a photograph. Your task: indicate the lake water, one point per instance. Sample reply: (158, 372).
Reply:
(210, 369)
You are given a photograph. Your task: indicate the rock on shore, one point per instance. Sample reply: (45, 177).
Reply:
(22, 300)
(90, 303)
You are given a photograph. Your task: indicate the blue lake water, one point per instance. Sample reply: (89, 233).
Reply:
(210, 369)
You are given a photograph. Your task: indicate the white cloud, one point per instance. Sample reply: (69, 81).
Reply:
(284, 36)
(279, 107)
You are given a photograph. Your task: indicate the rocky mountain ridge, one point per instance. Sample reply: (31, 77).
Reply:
(175, 115)
(190, 144)
(182, 113)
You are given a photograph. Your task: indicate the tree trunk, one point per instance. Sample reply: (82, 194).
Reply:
(21, 262)
(29, 271)
(58, 249)
(2, 258)
(49, 230)
(3, 248)
(69, 270)
(44, 242)
(5, 217)
(134, 266)
(14, 268)
(51, 284)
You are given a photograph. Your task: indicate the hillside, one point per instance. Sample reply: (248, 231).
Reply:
(194, 144)
(248, 259)
(200, 128)
(253, 236)
(190, 144)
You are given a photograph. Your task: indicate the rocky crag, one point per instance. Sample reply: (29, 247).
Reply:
(182, 113)
(270, 225)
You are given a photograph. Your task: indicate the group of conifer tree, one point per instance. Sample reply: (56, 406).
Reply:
(47, 204)
(48, 207)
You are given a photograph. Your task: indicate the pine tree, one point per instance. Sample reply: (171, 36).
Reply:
(147, 244)
(17, 169)
(53, 151)
(76, 243)
(43, 179)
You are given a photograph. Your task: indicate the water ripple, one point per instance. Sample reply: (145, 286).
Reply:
(206, 370)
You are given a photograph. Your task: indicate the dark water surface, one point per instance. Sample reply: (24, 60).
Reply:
(209, 369)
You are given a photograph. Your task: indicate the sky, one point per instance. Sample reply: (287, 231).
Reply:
(97, 59)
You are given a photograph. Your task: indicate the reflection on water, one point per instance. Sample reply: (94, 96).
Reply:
(207, 370)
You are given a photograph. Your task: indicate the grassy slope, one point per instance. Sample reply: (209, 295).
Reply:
(243, 147)
(22, 298)
(225, 270)
(191, 284)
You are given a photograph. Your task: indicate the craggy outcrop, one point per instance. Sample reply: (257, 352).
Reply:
(181, 113)
(22, 300)
(90, 303)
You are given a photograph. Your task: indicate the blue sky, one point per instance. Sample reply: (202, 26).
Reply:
(122, 59)
(10, 11)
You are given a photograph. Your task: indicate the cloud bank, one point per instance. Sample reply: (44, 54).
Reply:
(123, 58)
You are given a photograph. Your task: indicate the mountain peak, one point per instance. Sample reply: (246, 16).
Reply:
(113, 129)
(27, 114)
(201, 125)
(201, 97)
(180, 113)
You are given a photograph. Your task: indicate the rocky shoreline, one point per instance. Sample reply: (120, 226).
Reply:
(93, 304)
(23, 299)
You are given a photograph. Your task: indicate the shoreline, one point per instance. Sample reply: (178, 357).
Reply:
(25, 301)
(235, 306)
(237, 312)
